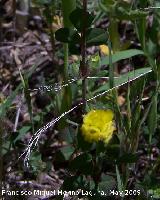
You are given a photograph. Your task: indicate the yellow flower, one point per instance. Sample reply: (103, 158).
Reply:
(105, 49)
(98, 125)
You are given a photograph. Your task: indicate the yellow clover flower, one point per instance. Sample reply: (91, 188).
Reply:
(105, 49)
(98, 125)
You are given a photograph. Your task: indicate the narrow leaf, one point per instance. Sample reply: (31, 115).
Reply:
(119, 181)
(123, 79)
(152, 118)
(121, 55)
(96, 36)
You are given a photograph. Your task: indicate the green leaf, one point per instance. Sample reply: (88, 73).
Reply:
(113, 148)
(8, 102)
(82, 163)
(153, 32)
(36, 162)
(67, 151)
(72, 183)
(83, 144)
(155, 192)
(68, 135)
(128, 158)
(100, 147)
(123, 11)
(96, 36)
(5, 147)
(141, 31)
(27, 98)
(107, 6)
(136, 88)
(121, 55)
(62, 35)
(152, 118)
(67, 7)
(122, 14)
(114, 35)
(108, 2)
(74, 49)
(22, 133)
(67, 95)
(123, 79)
(107, 183)
(77, 16)
(67, 35)
(119, 180)
(4, 106)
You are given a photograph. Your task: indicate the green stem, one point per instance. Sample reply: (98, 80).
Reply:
(83, 65)
(66, 61)
(111, 67)
(67, 7)
(116, 106)
(52, 41)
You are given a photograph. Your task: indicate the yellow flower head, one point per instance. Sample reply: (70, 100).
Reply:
(105, 49)
(98, 125)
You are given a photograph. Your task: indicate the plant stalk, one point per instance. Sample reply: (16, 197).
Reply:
(52, 41)
(67, 7)
(83, 64)
(111, 67)
(66, 62)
